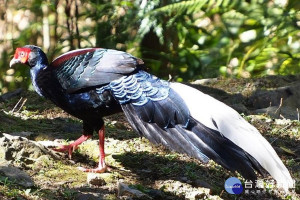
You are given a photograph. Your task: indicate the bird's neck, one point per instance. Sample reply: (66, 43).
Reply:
(36, 74)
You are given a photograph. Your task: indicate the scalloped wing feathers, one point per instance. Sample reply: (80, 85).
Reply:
(92, 67)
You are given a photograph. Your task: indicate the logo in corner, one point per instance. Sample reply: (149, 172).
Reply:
(233, 186)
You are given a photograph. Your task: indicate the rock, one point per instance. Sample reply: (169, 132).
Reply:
(275, 112)
(268, 101)
(15, 175)
(257, 95)
(183, 190)
(125, 190)
(100, 179)
(21, 151)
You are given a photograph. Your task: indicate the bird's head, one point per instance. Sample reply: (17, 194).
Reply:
(29, 55)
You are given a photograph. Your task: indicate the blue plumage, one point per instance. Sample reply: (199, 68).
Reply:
(93, 83)
(139, 88)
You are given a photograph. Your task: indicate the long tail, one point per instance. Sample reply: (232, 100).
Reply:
(188, 121)
(220, 117)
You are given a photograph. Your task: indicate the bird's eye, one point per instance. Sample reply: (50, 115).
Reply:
(22, 54)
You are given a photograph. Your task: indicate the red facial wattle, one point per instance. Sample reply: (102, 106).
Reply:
(22, 54)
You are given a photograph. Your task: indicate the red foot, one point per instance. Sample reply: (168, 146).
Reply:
(66, 148)
(96, 170)
(73, 146)
(102, 167)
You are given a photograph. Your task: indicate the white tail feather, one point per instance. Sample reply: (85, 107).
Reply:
(230, 124)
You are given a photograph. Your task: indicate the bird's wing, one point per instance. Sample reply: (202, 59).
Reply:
(83, 68)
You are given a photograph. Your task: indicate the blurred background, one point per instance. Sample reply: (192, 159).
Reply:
(188, 40)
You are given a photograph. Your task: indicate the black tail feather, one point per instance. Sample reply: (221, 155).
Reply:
(196, 140)
(222, 150)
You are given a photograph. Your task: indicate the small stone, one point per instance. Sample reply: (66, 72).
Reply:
(125, 190)
(99, 179)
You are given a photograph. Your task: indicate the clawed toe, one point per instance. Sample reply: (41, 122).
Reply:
(66, 148)
(96, 170)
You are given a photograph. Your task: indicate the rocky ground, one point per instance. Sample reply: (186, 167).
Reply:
(30, 126)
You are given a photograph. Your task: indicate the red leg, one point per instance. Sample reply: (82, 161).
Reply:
(102, 166)
(73, 146)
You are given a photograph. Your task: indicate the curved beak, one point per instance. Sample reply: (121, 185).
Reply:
(13, 62)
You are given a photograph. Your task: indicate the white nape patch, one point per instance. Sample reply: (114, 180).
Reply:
(231, 125)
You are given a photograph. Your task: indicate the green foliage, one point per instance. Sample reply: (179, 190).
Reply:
(187, 39)
(232, 38)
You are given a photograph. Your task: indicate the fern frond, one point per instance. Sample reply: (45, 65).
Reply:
(180, 7)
